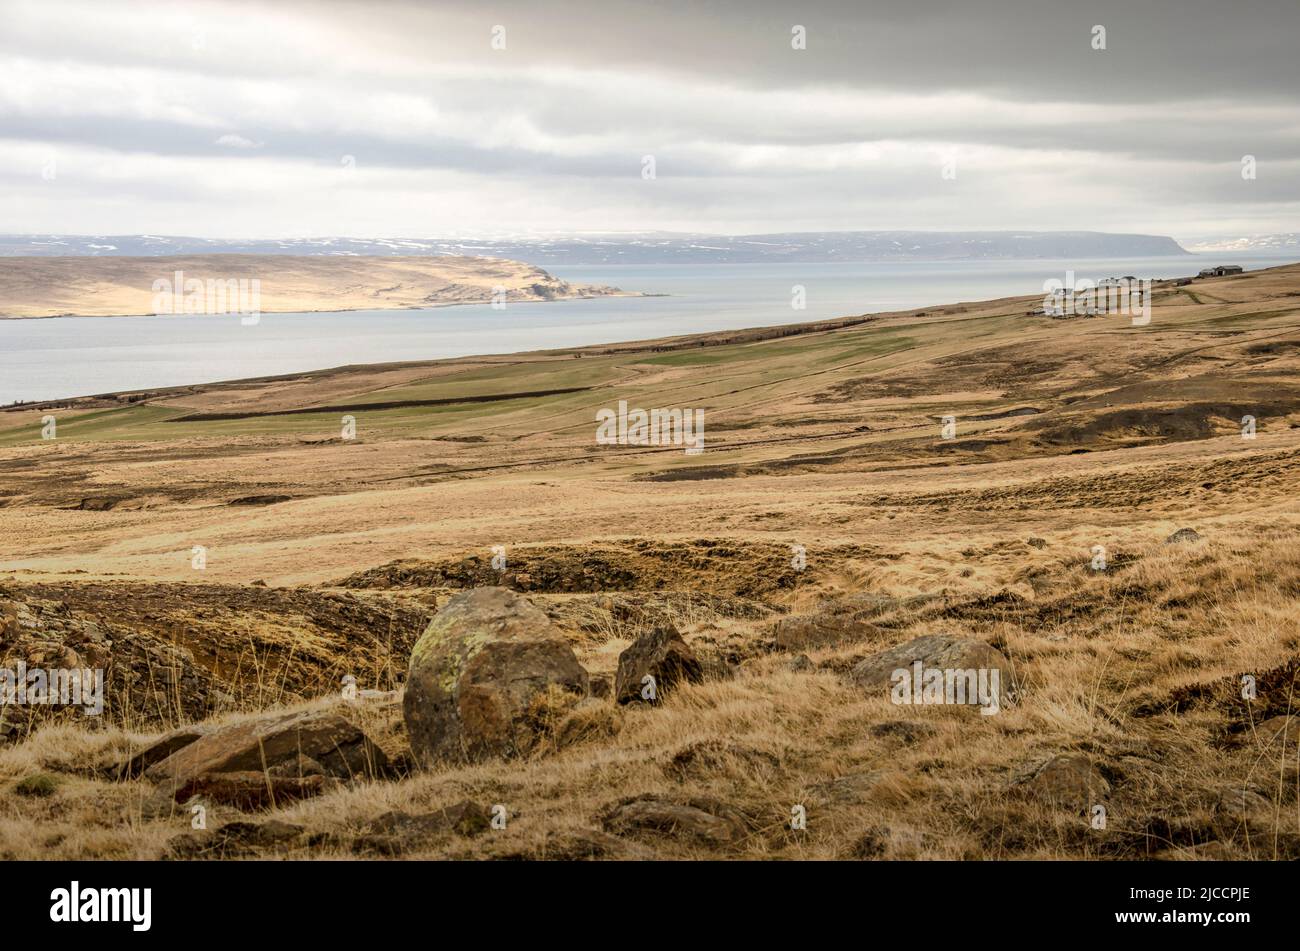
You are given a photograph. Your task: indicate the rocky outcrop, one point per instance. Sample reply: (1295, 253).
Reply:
(481, 676)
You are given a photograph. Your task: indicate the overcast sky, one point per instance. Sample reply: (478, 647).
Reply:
(377, 119)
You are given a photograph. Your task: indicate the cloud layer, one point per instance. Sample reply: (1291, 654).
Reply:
(261, 119)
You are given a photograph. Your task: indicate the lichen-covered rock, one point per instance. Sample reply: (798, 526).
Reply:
(479, 675)
(661, 654)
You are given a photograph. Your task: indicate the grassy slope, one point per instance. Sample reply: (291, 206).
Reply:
(1138, 667)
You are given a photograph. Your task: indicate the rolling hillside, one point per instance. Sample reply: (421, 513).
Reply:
(830, 517)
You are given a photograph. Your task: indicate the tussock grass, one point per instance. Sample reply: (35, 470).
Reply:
(1139, 667)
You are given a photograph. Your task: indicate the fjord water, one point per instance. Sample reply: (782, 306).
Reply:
(79, 356)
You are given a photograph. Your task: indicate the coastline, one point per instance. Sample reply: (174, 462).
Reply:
(614, 292)
(183, 356)
(246, 284)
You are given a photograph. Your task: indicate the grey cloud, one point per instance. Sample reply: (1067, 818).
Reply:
(748, 133)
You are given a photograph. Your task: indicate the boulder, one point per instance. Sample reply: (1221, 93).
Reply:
(466, 817)
(1183, 535)
(339, 747)
(661, 654)
(160, 749)
(488, 661)
(936, 651)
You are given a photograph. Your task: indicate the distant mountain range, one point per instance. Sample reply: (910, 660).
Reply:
(651, 248)
(1253, 242)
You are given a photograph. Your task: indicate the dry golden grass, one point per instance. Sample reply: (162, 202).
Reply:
(1138, 667)
(1094, 678)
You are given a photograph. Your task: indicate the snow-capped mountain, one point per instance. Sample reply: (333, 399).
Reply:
(651, 248)
(1252, 242)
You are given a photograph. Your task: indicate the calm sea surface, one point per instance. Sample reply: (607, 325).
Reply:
(78, 356)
